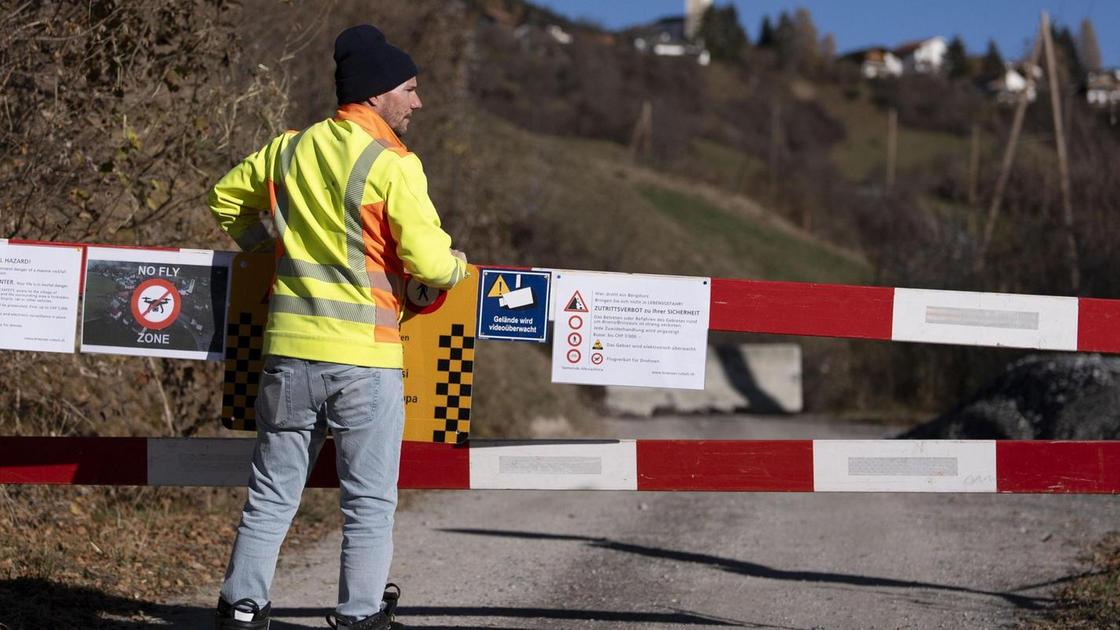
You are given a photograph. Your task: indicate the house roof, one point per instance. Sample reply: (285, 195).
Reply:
(671, 25)
(860, 54)
(907, 48)
(1107, 80)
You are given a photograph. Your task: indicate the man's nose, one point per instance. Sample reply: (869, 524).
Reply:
(416, 102)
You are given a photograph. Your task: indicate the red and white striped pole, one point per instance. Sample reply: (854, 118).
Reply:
(688, 465)
(954, 317)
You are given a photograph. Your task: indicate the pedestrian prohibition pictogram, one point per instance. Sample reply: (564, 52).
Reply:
(156, 303)
(421, 298)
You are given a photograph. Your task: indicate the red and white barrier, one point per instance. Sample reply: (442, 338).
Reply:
(788, 308)
(954, 317)
(689, 465)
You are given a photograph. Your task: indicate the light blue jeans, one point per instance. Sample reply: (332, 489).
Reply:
(298, 401)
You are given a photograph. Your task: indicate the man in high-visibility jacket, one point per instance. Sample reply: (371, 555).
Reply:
(351, 213)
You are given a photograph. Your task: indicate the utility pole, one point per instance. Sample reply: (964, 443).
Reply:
(775, 146)
(1072, 258)
(974, 167)
(641, 141)
(1008, 155)
(892, 147)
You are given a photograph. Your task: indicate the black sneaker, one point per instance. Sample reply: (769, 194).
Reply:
(244, 614)
(382, 620)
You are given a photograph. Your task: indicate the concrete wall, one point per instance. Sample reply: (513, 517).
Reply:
(754, 378)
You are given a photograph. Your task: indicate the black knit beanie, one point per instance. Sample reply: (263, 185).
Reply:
(366, 65)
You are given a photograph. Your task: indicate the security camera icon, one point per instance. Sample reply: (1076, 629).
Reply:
(517, 298)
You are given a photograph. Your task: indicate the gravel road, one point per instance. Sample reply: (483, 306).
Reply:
(531, 559)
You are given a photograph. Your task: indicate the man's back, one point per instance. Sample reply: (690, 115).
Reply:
(352, 216)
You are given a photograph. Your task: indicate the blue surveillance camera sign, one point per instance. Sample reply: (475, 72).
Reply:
(513, 305)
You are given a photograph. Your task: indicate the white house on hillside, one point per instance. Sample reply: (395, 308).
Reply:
(925, 56)
(1013, 82)
(1103, 88)
(876, 63)
(667, 38)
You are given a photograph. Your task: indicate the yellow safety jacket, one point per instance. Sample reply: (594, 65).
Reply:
(350, 206)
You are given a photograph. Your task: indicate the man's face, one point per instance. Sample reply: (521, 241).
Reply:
(396, 105)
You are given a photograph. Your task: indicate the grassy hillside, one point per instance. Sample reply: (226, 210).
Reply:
(585, 204)
(862, 155)
(750, 247)
(582, 204)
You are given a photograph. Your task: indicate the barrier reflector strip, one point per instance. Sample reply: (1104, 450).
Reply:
(1058, 467)
(1098, 325)
(553, 465)
(985, 319)
(726, 465)
(109, 461)
(199, 461)
(904, 466)
(692, 465)
(801, 308)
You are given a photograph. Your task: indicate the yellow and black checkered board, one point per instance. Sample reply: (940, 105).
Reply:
(243, 364)
(454, 380)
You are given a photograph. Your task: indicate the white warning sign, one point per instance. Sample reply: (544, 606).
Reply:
(39, 296)
(630, 329)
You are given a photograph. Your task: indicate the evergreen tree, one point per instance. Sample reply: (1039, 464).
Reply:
(785, 42)
(1087, 46)
(721, 32)
(1071, 69)
(956, 58)
(766, 33)
(991, 66)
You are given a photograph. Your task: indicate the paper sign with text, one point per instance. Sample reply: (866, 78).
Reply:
(156, 303)
(39, 296)
(630, 329)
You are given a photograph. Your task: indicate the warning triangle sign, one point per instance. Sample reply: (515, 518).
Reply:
(576, 304)
(598, 345)
(499, 288)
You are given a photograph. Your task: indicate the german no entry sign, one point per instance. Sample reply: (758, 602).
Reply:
(155, 303)
(513, 305)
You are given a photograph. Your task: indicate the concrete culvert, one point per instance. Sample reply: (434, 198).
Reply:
(1039, 397)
